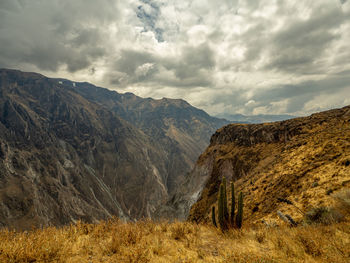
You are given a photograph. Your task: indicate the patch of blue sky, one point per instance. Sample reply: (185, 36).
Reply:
(148, 13)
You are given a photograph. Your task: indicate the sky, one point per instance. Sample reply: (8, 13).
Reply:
(226, 57)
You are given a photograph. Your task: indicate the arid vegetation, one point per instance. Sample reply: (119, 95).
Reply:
(146, 241)
(305, 160)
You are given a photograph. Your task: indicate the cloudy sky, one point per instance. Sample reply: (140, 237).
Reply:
(229, 56)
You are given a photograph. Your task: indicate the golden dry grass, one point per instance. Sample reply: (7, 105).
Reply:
(114, 241)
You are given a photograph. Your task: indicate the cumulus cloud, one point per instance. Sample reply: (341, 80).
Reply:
(237, 56)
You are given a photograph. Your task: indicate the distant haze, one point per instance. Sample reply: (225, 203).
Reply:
(259, 118)
(227, 57)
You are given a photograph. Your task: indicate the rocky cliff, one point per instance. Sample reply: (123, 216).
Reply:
(72, 151)
(304, 160)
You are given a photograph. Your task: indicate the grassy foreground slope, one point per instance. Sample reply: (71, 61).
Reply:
(114, 241)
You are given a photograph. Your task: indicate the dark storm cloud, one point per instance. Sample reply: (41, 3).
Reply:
(133, 67)
(191, 69)
(51, 34)
(301, 43)
(256, 41)
(193, 59)
(298, 44)
(130, 60)
(299, 94)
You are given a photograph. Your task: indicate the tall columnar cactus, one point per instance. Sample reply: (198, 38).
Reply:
(233, 204)
(239, 217)
(221, 217)
(213, 216)
(226, 215)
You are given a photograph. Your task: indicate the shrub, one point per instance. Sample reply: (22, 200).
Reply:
(178, 231)
(329, 191)
(323, 215)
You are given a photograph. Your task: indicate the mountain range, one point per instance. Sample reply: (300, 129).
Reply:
(72, 151)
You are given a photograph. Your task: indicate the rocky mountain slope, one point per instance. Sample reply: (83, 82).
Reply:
(305, 160)
(71, 151)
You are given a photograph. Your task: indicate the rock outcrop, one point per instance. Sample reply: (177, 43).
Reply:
(303, 159)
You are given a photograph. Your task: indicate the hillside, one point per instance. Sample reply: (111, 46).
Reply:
(305, 160)
(72, 151)
(179, 129)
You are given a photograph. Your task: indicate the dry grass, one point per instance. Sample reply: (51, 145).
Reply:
(114, 241)
(309, 169)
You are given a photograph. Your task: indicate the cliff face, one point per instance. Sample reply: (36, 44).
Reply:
(180, 131)
(302, 159)
(71, 151)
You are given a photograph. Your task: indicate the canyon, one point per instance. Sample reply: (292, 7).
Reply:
(72, 151)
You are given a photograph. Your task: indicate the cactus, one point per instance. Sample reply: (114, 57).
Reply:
(221, 216)
(239, 216)
(225, 220)
(213, 216)
(226, 215)
(233, 204)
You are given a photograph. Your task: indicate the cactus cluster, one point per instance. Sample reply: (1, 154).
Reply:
(225, 219)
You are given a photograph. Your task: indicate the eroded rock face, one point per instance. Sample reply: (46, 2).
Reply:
(187, 194)
(301, 159)
(72, 151)
(252, 134)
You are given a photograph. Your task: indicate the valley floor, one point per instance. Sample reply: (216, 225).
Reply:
(114, 241)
